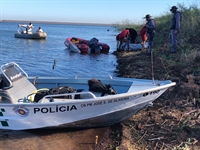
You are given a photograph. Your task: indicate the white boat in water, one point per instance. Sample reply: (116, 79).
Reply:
(37, 35)
(39, 102)
(29, 34)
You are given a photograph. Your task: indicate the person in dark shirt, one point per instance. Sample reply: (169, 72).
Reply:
(133, 35)
(150, 30)
(174, 28)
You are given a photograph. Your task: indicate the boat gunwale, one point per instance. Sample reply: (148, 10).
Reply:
(121, 95)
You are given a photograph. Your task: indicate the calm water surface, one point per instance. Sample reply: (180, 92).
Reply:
(36, 57)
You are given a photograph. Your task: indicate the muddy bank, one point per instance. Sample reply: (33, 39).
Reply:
(173, 122)
(63, 139)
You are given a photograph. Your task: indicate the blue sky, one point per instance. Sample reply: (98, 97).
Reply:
(86, 11)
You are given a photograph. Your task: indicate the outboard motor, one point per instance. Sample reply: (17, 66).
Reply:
(94, 46)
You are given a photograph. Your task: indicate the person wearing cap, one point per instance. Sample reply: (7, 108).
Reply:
(150, 30)
(175, 28)
(123, 37)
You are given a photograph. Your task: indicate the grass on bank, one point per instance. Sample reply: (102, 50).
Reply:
(170, 118)
(189, 36)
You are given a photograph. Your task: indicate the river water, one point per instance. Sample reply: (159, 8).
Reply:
(37, 57)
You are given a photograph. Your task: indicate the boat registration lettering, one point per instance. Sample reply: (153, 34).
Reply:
(98, 103)
(118, 100)
(56, 109)
(93, 104)
(105, 102)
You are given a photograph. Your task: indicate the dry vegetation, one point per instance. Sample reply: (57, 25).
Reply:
(173, 122)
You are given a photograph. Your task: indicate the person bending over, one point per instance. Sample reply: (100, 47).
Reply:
(123, 37)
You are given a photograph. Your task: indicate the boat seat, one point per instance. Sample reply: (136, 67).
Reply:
(15, 85)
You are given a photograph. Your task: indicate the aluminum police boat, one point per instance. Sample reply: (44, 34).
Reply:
(79, 108)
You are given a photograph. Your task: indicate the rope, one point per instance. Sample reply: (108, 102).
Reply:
(152, 71)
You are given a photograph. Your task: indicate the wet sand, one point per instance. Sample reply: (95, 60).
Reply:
(53, 139)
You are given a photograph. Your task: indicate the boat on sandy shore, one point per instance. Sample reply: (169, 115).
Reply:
(86, 46)
(42, 102)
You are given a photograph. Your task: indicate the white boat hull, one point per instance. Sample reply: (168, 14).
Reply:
(74, 48)
(71, 46)
(39, 35)
(89, 110)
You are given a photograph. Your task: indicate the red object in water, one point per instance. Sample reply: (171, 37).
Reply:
(81, 45)
(83, 48)
(105, 48)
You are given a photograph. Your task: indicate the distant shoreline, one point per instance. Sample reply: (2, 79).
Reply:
(49, 22)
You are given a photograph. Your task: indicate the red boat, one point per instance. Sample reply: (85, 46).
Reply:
(86, 46)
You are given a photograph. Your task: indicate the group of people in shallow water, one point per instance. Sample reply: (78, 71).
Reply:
(148, 32)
